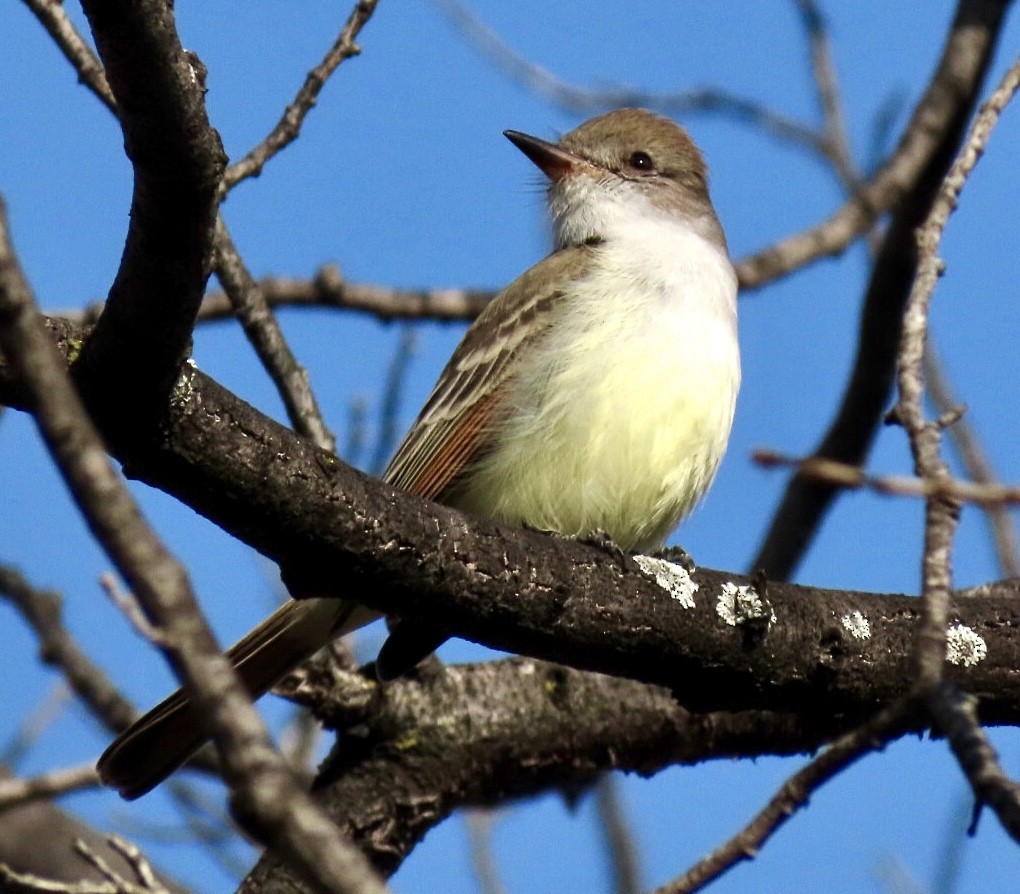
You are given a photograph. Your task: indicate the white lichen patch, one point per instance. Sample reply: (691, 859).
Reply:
(965, 646)
(740, 604)
(184, 387)
(856, 625)
(673, 578)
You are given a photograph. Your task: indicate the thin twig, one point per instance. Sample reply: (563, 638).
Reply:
(975, 461)
(389, 408)
(266, 336)
(41, 609)
(53, 17)
(329, 289)
(956, 79)
(479, 824)
(835, 137)
(14, 791)
(621, 846)
(130, 608)
(587, 100)
(146, 883)
(40, 718)
(850, 477)
(288, 127)
(954, 713)
(941, 513)
(136, 860)
(794, 794)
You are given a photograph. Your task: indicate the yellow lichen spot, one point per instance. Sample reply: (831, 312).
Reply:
(74, 346)
(407, 742)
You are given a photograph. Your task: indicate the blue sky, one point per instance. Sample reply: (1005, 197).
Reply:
(402, 177)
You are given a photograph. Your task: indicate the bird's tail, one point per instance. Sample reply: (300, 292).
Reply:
(156, 744)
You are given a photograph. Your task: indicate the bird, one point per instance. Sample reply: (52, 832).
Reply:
(594, 394)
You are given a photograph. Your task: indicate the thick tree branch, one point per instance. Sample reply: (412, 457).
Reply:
(332, 528)
(177, 159)
(245, 297)
(411, 752)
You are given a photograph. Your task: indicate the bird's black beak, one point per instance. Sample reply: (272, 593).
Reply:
(551, 160)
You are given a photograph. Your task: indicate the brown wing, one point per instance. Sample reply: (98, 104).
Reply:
(456, 424)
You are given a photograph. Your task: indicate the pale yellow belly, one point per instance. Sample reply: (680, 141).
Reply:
(614, 429)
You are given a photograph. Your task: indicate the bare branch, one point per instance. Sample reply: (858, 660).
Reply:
(794, 795)
(621, 846)
(588, 100)
(54, 19)
(144, 332)
(288, 128)
(266, 797)
(487, 732)
(939, 119)
(951, 91)
(42, 610)
(850, 477)
(975, 461)
(941, 512)
(266, 336)
(112, 881)
(479, 823)
(329, 289)
(326, 523)
(251, 308)
(836, 139)
(389, 409)
(955, 714)
(40, 718)
(14, 791)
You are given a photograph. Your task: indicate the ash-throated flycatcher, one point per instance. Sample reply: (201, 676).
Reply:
(595, 393)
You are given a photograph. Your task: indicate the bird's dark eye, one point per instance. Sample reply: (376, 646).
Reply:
(641, 161)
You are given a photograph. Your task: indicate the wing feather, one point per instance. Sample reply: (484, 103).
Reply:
(463, 411)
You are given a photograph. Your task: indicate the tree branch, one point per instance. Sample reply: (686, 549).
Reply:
(266, 336)
(41, 609)
(912, 178)
(144, 332)
(266, 798)
(936, 124)
(331, 527)
(329, 289)
(412, 751)
(288, 128)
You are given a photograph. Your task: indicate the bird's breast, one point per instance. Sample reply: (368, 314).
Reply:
(621, 412)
